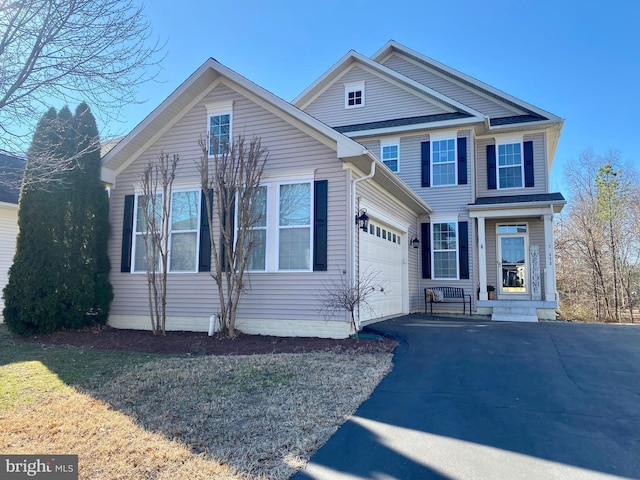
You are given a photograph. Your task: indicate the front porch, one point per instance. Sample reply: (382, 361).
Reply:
(517, 310)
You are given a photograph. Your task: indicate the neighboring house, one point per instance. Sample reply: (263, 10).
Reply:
(451, 173)
(11, 169)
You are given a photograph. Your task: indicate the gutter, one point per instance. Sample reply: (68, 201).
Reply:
(354, 205)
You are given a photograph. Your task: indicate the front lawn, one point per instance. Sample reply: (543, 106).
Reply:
(145, 416)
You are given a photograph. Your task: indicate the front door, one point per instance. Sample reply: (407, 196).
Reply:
(512, 245)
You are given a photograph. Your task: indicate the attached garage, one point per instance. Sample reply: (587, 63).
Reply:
(381, 255)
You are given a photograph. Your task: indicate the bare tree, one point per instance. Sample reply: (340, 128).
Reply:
(155, 205)
(597, 242)
(233, 174)
(353, 296)
(70, 50)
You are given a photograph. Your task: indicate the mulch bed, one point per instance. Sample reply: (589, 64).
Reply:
(196, 343)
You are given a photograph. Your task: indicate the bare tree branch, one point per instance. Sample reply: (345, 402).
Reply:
(99, 51)
(234, 176)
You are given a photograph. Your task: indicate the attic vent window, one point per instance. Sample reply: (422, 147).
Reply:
(354, 95)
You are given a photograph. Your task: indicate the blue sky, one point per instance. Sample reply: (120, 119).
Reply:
(577, 59)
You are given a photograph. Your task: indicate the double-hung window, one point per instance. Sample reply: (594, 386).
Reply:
(390, 154)
(183, 235)
(445, 250)
(184, 221)
(219, 124)
(145, 230)
(294, 226)
(510, 165)
(443, 162)
(257, 235)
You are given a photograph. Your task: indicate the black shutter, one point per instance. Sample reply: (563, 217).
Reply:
(463, 249)
(127, 233)
(426, 249)
(227, 197)
(462, 161)
(528, 164)
(204, 256)
(491, 167)
(425, 161)
(320, 211)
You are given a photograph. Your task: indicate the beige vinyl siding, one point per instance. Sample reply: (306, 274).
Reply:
(446, 199)
(383, 101)
(447, 86)
(371, 194)
(540, 173)
(280, 295)
(469, 285)
(8, 234)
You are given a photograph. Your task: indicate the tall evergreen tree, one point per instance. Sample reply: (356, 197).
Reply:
(31, 304)
(88, 225)
(59, 278)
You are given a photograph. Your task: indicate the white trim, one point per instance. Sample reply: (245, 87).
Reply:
(443, 135)
(278, 227)
(219, 108)
(391, 142)
(498, 167)
(508, 138)
(441, 138)
(354, 87)
(527, 273)
(135, 233)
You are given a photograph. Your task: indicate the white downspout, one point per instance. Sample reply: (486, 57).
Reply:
(352, 217)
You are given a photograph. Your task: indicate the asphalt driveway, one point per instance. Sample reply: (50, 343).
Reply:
(472, 399)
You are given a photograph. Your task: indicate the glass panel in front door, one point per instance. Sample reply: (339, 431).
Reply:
(513, 264)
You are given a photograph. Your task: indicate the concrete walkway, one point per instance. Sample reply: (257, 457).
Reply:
(472, 399)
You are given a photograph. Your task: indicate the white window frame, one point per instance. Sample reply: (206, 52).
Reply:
(527, 267)
(197, 231)
(278, 227)
(439, 137)
(352, 88)
(391, 143)
(440, 221)
(499, 167)
(215, 110)
(273, 182)
(264, 228)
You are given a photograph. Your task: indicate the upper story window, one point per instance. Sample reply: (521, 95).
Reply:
(219, 122)
(390, 154)
(443, 162)
(184, 221)
(510, 165)
(354, 95)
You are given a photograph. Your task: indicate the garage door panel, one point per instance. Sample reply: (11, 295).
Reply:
(381, 256)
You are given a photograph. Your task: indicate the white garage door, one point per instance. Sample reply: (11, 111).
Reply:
(381, 255)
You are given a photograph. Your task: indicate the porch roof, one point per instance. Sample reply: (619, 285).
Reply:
(504, 205)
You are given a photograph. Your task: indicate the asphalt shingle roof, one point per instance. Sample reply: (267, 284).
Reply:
(401, 122)
(11, 169)
(536, 197)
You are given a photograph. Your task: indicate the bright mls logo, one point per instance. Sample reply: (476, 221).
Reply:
(50, 467)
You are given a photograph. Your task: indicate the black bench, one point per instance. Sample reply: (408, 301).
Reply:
(450, 295)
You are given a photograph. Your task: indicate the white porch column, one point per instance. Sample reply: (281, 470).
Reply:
(550, 260)
(482, 259)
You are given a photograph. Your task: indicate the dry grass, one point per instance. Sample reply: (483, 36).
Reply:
(207, 417)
